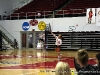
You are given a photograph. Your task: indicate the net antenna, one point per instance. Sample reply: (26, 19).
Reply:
(52, 26)
(48, 27)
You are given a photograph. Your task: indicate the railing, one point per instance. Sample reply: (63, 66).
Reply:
(9, 38)
(47, 14)
(15, 7)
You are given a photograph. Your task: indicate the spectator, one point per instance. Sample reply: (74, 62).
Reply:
(62, 68)
(97, 67)
(82, 65)
(15, 44)
(98, 59)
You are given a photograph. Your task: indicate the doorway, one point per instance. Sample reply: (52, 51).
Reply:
(29, 39)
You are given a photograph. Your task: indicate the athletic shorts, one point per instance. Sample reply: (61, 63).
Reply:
(57, 46)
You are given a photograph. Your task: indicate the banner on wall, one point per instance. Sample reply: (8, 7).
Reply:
(90, 16)
(33, 22)
(98, 17)
(41, 25)
(25, 26)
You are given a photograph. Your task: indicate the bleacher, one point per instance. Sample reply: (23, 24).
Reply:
(57, 8)
(36, 6)
(43, 5)
(78, 8)
(82, 4)
(76, 40)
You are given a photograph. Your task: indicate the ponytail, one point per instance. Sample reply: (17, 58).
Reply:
(62, 38)
(83, 56)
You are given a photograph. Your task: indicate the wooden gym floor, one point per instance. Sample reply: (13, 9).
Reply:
(32, 62)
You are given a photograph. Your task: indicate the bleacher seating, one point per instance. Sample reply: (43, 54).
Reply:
(38, 6)
(79, 6)
(82, 4)
(43, 5)
(70, 8)
(76, 40)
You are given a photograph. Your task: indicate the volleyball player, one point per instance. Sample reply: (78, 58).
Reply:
(41, 42)
(58, 44)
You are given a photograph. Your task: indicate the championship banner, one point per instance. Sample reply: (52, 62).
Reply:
(90, 16)
(41, 25)
(98, 17)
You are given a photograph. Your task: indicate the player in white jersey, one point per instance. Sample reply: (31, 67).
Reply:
(58, 44)
(40, 45)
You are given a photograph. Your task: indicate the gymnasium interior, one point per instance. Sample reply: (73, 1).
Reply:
(25, 20)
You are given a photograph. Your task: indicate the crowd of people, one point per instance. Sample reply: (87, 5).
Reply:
(81, 65)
